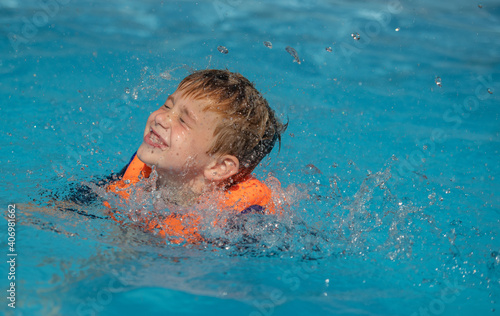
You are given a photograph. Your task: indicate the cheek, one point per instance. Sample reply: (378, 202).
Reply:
(182, 142)
(208, 138)
(179, 135)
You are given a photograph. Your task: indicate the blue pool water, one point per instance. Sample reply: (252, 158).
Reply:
(390, 161)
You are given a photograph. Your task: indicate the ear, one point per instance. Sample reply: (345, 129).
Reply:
(222, 168)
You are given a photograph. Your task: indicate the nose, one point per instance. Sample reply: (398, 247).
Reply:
(162, 118)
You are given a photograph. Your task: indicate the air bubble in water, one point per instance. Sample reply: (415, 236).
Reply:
(438, 81)
(268, 44)
(222, 49)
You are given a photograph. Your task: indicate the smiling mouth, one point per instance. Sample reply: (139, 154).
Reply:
(153, 139)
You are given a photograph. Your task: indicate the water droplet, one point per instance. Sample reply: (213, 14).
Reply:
(127, 90)
(355, 36)
(438, 82)
(328, 49)
(222, 49)
(312, 169)
(166, 75)
(268, 44)
(294, 54)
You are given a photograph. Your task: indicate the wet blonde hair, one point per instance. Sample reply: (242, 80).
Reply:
(248, 128)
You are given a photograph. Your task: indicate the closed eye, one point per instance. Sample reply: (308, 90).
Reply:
(183, 122)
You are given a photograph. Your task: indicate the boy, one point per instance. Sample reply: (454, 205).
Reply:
(208, 137)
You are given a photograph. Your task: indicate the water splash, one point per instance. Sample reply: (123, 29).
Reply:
(326, 217)
(294, 54)
(222, 50)
(371, 220)
(152, 81)
(438, 82)
(357, 226)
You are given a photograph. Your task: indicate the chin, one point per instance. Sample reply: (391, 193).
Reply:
(142, 155)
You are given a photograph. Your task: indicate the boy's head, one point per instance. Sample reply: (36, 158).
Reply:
(248, 127)
(242, 128)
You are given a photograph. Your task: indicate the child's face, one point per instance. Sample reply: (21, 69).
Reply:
(178, 136)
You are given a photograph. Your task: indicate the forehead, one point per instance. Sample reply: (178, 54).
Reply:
(199, 101)
(204, 101)
(199, 108)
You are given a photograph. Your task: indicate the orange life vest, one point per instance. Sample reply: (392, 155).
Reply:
(247, 196)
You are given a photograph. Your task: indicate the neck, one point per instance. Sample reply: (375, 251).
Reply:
(179, 191)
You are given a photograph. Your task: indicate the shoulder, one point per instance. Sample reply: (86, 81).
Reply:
(249, 196)
(130, 174)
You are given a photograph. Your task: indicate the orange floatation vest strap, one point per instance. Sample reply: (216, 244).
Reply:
(247, 196)
(135, 170)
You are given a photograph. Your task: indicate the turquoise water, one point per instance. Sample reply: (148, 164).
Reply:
(390, 160)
